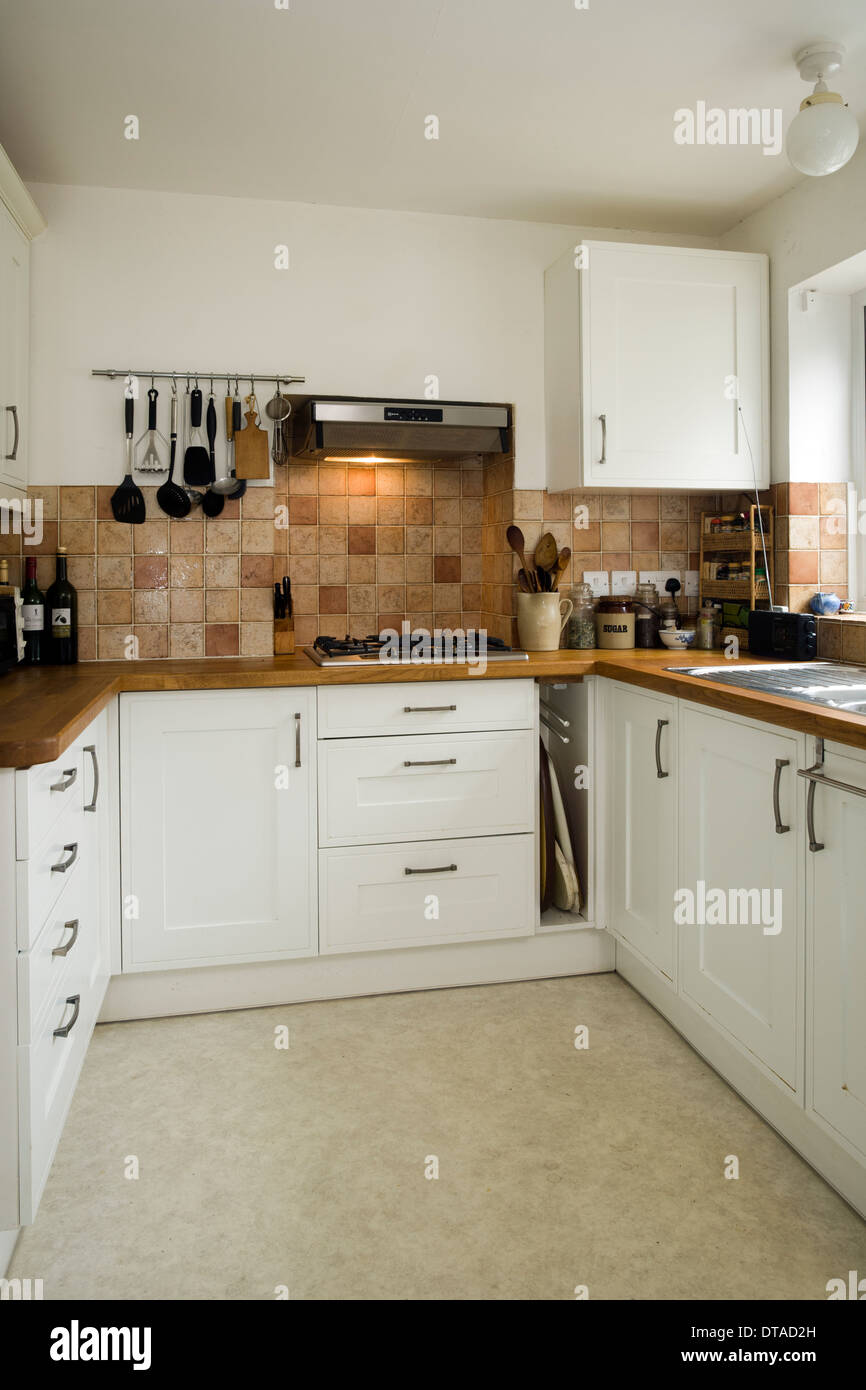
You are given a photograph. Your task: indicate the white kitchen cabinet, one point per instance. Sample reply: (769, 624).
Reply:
(218, 817)
(14, 353)
(649, 352)
(742, 961)
(642, 823)
(836, 942)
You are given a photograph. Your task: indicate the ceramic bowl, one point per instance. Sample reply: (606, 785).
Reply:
(825, 604)
(677, 637)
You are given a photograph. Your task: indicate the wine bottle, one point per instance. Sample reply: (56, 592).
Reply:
(33, 601)
(62, 605)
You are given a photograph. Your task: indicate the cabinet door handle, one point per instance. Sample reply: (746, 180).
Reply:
(433, 762)
(660, 724)
(72, 851)
(297, 740)
(67, 945)
(814, 845)
(69, 776)
(442, 869)
(603, 419)
(66, 1028)
(13, 409)
(777, 810)
(427, 709)
(91, 749)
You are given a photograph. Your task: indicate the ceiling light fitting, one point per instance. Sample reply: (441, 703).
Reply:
(824, 134)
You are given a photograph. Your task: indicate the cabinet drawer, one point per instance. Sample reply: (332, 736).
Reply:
(425, 707)
(43, 792)
(48, 1069)
(392, 789)
(457, 890)
(73, 928)
(41, 879)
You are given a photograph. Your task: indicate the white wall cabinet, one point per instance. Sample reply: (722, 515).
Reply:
(218, 815)
(14, 353)
(649, 352)
(642, 823)
(836, 930)
(739, 788)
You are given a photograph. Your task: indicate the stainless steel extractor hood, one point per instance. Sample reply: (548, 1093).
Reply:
(341, 429)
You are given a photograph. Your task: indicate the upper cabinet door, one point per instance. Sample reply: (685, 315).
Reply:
(649, 353)
(14, 352)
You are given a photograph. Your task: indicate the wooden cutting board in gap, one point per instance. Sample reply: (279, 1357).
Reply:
(252, 451)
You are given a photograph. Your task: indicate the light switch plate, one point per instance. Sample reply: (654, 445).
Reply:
(691, 587)
(622, 581)
(598, 581)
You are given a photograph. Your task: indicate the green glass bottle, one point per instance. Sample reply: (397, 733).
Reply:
(61, 603)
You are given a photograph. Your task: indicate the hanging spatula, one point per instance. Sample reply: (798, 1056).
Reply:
(171, 496)
(196, 460)
(127, 502)
(213, 501)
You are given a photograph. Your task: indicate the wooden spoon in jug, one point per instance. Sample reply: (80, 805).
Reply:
(516, 540)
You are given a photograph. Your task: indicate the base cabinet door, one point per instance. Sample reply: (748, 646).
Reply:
(740, 903)
(642, 840)
(218, 815)
(836, 927)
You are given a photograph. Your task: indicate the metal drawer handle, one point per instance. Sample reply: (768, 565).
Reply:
(661, 724)
(777, 809)
(14, 412)
(66, 1028)
(65, 949)
(72, 851)
(434, 762)
(442, 869)
(297, 740)
(427, 709)
(603, 419)
(814, 845)
(91, 749)
(69, 776)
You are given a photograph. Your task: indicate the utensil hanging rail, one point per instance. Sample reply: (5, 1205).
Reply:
(113, 373)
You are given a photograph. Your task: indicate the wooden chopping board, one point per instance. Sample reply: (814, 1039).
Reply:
(252, 452)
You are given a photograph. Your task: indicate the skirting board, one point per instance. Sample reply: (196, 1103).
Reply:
(796, 1126)
(7, 1245)
(208, 989)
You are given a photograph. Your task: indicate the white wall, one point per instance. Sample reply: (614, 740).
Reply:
(373, 303)
(819, 357)
(818, 224)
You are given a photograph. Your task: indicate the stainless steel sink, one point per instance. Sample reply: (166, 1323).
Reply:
(832, 683)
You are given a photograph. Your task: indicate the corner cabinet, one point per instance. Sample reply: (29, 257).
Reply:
(649, 353)
(218, 827)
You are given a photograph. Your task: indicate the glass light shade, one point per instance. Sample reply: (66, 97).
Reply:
(821, 138)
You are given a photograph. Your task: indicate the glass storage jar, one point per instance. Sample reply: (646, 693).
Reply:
(646, 623)
(581, 624)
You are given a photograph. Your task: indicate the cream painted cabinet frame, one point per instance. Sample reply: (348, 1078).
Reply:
(218, 827)
(20, 222)
(836, 943)
(650, 351)
(642, 824)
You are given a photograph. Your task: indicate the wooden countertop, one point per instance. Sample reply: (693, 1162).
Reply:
(42, 711)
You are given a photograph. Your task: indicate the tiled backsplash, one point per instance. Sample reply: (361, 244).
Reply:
(365, 548)
(368, 547)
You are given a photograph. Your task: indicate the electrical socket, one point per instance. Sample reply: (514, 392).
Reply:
(622, 581)
(598, 581)
(659, 578)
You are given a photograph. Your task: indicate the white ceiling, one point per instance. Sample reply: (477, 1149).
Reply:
(547, 113)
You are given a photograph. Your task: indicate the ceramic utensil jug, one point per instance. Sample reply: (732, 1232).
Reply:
(540, 620)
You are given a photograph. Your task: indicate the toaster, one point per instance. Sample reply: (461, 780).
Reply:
(791, 635)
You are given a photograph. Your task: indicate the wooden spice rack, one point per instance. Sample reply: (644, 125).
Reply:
(745, 543)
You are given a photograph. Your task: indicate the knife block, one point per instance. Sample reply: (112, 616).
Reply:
(284, 636)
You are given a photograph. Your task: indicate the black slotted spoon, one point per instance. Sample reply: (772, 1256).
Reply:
(171, 496)
(127, 501)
